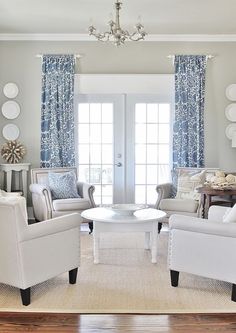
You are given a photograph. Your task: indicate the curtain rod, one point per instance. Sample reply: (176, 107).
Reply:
(41, 55)
(209, 56)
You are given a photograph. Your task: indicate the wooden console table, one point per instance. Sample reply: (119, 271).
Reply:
(22, 168)
(207, 193)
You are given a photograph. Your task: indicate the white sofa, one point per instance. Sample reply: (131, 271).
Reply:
(203, 247)
(31, 254)
(45, 207)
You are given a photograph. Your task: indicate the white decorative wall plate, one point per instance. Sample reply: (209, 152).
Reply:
(11, 109)
(231, 92)
(10, 90)
(10, 132)
(230, 130)
(230, 112)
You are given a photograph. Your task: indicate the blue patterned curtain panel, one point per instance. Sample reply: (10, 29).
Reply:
(57, 111)
(188, 128)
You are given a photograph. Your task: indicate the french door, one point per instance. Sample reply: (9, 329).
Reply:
(123, 146)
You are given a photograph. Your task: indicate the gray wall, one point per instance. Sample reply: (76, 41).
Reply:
(18, 64)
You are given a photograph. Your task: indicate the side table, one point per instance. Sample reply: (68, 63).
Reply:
(22, 168)
(207, 193)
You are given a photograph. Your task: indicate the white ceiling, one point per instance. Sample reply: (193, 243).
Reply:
(157, 16)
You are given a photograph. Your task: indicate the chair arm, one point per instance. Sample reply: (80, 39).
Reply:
(86, 191)
(163, 191)
(49, 227)
(216, 213)
(202, 226)
(42, 201)
(40, 189)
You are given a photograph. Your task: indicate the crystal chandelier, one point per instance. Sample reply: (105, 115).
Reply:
(116, 34)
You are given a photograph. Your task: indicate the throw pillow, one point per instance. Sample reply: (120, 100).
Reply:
(188, 183)
(230, 215)
(63, 185)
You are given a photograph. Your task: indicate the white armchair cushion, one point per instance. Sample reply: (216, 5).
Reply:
(71, 204)
(187, 184)
(179, 205)
(230, 215)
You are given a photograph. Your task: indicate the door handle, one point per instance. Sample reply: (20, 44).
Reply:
(119, 164)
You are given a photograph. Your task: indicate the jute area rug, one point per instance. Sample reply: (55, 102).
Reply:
(124, 282)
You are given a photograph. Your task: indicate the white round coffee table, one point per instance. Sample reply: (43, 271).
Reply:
(106, 220)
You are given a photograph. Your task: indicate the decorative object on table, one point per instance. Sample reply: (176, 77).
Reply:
(10, 90)
(222, 181)
(126, 209)
(13, 151)
(116, 34)
(11, 109)
(10, 132)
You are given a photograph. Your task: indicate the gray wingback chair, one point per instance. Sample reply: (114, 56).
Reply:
(45, 207)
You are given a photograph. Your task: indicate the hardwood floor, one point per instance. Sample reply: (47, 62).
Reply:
(119, 323)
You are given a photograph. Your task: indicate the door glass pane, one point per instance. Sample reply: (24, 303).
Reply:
(107, 154)
(152, 113)
(164, 113)
(95, 148)
(140, 174)
(164, 154)
(95, 113)
(140, 133)
(107, 177)
(152, 133)
(83, 113)
(152, 150)
(140, 154)
(140, 113)
(140, 194)
(107, 133)
(84, 133)
(152, 172)
(164, 133)
(83, 154)
(152, 154)
(107, 113)
(95, 133)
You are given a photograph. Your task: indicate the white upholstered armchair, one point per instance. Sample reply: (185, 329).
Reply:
(31, 254)
(47, 207)
(203, 247)
(179, 196)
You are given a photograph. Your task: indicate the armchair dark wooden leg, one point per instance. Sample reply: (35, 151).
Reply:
(174, 276)
(159, 227)
(233, 295)
(90, 227)
(73, 275)
(25, 296)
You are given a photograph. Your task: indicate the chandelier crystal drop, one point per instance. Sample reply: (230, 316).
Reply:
(116, 34)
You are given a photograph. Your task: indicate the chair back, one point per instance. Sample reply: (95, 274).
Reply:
(40, 175)
(180, 170)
